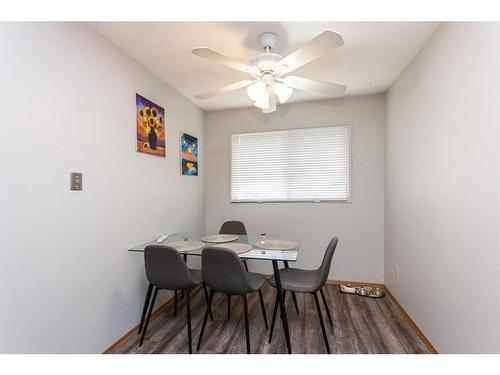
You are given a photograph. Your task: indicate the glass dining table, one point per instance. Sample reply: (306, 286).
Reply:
(284, 249)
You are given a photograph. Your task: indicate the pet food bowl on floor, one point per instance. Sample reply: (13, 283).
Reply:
(361, 290)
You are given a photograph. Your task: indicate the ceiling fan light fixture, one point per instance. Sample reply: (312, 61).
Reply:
(282, 91)
(262, 103)
(257, 91)
(270, 71)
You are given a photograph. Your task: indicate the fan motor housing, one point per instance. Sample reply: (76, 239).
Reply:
(266, 61)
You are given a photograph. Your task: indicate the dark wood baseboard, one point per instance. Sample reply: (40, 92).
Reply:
(410, 321)
(407, 317)
(134, 330)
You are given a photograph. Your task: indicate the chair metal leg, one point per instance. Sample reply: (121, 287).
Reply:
(205, 291)
(175, 302)
(321, 322)
(294, 297)
(247, 328)
(228, 306)
(275, 311)
(188, 307)
(246, 265)
(326, 307)
(281, 300)
(205, 318)
(264, 315)
(145, 308)
(149, 316)
(273, 320)
(185, 257)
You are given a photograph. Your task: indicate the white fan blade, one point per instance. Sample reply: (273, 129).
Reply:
(222, 90)
(219, 58)
(272, 101)
(305, 84)
(317, 47)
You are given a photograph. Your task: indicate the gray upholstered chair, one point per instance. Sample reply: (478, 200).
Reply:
(308, 281)
(223, 272)
(233, 227)
(238, 228)
(166, 269)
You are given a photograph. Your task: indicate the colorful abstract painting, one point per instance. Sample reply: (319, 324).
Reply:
(189, 155)
(150, 118)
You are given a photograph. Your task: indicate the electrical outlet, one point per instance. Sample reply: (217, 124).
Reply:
(75, 181)
(396, 271)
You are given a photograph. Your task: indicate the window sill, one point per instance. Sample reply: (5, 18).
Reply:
(296, 201)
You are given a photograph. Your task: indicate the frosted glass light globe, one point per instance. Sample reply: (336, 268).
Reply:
(283, 92)
(257, 91)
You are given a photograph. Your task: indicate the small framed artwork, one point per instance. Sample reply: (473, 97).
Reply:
(189, 155)
(151, 134)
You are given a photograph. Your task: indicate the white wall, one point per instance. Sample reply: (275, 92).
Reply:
(442, 188)
(359, 225)
(67, 282)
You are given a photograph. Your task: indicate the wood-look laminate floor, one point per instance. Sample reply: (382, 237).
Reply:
(360, 325)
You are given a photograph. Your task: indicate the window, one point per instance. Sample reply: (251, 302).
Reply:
(291, 165)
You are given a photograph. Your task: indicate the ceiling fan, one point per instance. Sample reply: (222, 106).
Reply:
(270, 71)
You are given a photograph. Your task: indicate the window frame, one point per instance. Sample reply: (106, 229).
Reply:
(349, 146)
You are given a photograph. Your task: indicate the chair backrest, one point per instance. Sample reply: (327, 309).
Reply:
(166, 269)
(233, 227)
(223, 271)
(324, 268)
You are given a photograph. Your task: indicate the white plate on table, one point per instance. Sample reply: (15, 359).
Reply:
(237, 247)
(184, 246)
(276, 245)
(220, 238)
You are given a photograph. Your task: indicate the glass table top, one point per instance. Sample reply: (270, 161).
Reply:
(255, 252)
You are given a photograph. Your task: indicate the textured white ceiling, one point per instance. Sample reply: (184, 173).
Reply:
(373, 55)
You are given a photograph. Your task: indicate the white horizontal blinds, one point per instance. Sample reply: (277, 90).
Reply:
(292, 165)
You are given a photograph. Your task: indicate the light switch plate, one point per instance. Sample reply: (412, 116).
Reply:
(76, 181)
